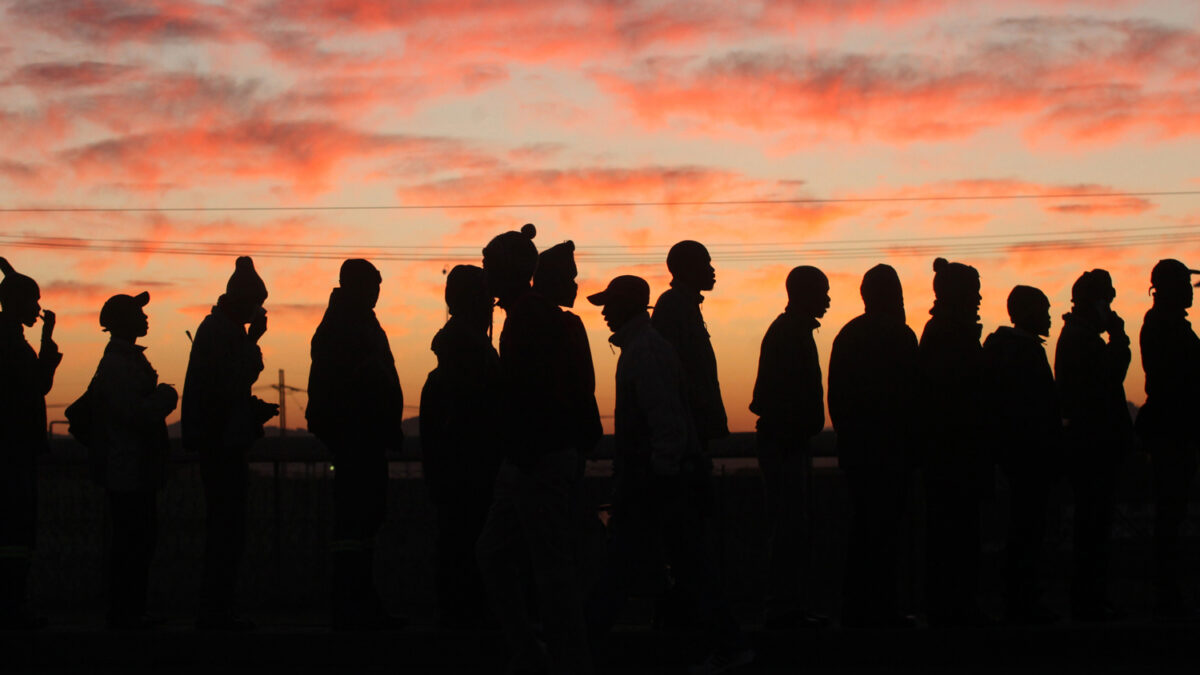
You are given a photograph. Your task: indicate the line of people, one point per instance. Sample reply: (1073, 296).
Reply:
(506, 435)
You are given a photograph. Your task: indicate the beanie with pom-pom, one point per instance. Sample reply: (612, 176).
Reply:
(244, 283)
(953, 279)
(512, 255)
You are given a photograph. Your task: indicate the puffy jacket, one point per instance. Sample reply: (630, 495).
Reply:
(129, 419)
(25, 378)
(952, 393)
(652, 426)
(678, 319)
(1025, 414)
(1090, 374)
(873, 391)
(789, 398)
(353, 388)
(219, 414)
(1171, 359)
(582, 387)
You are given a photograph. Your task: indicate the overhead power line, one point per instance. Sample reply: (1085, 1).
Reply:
(598, 204)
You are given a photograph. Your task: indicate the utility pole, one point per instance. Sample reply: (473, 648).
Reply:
(283, 389)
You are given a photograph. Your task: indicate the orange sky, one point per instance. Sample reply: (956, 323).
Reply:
(161, 105)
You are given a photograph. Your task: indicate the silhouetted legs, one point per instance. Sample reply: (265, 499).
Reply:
(785, 468)
(1094, 480)
(134, 535)
(529, 522)
(360, 482)
(662, 519)
(1029, 495)
(878, 498)
(1174, 465)
(18, 521)
(225, 484)
(952, 559)
(460, 520)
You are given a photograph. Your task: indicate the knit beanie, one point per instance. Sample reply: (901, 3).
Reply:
(244, 283)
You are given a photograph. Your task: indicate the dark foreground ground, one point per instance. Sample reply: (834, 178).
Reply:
(307, 647)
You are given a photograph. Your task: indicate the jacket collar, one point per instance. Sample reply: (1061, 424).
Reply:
(634, 327)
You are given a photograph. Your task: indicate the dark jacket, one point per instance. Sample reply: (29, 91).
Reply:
(1025, 415)
(130, 443)
(678, 319)
(653, 430)
(582, 387)
(788, 396)
(873, 390)
(1090, 374)
(460, 412)
(219, 415)
(952, 394)
(1171, 359)
(536, 414)
(354, 396)
(25, 378)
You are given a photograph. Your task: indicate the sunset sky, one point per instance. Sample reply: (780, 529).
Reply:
(598, 119)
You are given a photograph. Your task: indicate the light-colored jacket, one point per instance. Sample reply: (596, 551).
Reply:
(651, 421)
(130, 411)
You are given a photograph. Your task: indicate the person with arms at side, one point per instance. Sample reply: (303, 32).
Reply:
(1027, 424)
(221, 420)
(130, 408)
(459, 455)
(789, 400)
(1097, 432)
(952, 379)
(1171, 360)
(658, 474)
(873, 390)
(354, 407)
(529, 524)
(26, 376)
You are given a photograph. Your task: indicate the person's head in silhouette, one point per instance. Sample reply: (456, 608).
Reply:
(467, 296)
(556, 272)
(245, 292)
(691, 267)
(882, 293)
(808, 291)
(510, 260)
(360, 282)
(955, 289)
(19, 295)
(1171, 284)
(123, 317)
(1029, 310)
(1091, 298)
(625, 298)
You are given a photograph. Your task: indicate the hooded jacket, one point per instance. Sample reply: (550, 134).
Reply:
(354, 396)
(1171, 360)
(678, 319)
(789, 398)
(1090, 374)
(460, 411)
(131, 428)
(873, 390)
(1025, 414)
(219, 414)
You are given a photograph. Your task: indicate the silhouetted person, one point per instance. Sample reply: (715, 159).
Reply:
(529, 522)
(459, 453)
(355, 406)
(952, 380)
(1171, 360)
(221, 419)
(1098, 433)
(1027, 432)
(130, 442)
(789, 400)
(659, 475)
(678, 319)
(873, 390)
(25, 378)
